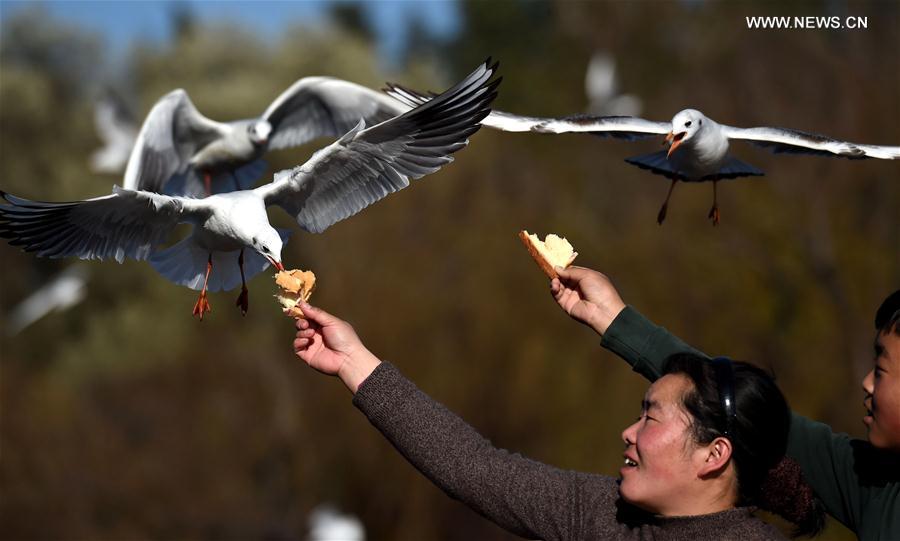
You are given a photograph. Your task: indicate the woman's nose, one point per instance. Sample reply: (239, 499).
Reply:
(628, 435)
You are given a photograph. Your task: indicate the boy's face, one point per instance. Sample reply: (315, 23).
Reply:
(882, 388)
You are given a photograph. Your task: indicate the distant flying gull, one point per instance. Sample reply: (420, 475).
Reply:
(181, 152)
(117, 129)
(601, 85)
(61, 293)
(697, 145)
(362, 167)
(327, 524)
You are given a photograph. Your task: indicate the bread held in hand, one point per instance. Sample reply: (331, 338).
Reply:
(553, 251)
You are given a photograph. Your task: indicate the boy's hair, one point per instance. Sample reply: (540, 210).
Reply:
(887, 318)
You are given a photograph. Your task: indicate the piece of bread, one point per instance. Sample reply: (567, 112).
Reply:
(296, 285)
(553, 251)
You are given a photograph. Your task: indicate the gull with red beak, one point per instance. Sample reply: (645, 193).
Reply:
(697, 145)
(362, 167)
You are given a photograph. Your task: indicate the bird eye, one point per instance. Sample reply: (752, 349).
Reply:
(700, 121)
(687, 124)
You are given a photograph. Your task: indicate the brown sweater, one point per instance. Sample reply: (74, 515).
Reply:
(523, 496)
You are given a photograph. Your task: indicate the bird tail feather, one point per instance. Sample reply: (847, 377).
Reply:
(657, 162)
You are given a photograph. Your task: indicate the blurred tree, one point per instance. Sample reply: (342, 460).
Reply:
(127, 419)
(351, 17)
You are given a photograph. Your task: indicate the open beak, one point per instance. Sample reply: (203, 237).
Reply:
(276, 264)
(674, 140)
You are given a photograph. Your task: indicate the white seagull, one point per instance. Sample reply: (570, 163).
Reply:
(362, 167)
(326, 523)
(697, 145)
(64, 291)
(117, 129)
(601, 85)
(181, 152)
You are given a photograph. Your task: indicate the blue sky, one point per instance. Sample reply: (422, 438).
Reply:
(121, 22)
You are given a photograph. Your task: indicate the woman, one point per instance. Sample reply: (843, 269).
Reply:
(857, 481)
(693, 460)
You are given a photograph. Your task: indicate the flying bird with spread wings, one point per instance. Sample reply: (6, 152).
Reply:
(179, 151)
(362, 167)
(697, 146)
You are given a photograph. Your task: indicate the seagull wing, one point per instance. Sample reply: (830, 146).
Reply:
(365, 165)
(124, 224)
(623, 127)
(325, 107)
(784, 140)
(498, 120)
(172, 132)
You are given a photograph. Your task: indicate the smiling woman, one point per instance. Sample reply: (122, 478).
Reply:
(695, 460)
(715, 429)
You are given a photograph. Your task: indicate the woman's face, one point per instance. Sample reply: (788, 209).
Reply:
(660, 455)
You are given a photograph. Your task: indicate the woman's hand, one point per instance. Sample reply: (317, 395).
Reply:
(588, 296)
(331, 346)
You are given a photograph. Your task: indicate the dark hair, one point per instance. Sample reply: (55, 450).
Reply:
(887, 317)
(758, 430)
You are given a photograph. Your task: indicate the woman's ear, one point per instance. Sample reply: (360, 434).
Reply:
(716, 456)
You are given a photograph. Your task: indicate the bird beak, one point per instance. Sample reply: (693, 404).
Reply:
(674, 140)
(277, 264)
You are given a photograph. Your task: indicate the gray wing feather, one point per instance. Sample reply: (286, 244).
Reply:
(123, 224)
(172, 132)
(316, 107)
(498, 120)
(785, 140)
(366, 165)
(622, 127)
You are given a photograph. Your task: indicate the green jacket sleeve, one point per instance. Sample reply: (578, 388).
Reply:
(643, 344)
(828, 462)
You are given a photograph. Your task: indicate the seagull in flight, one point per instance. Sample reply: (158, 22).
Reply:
(64, 291)
(117, 129)
(601, 86)
(181, 152)
(697, 146)
(360, 168)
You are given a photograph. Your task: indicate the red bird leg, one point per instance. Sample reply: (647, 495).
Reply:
(714, 211)
(202, 304)
(207, 183)
(665, 206)
(243, 300)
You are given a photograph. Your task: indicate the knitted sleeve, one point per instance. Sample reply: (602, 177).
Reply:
(523, 496)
